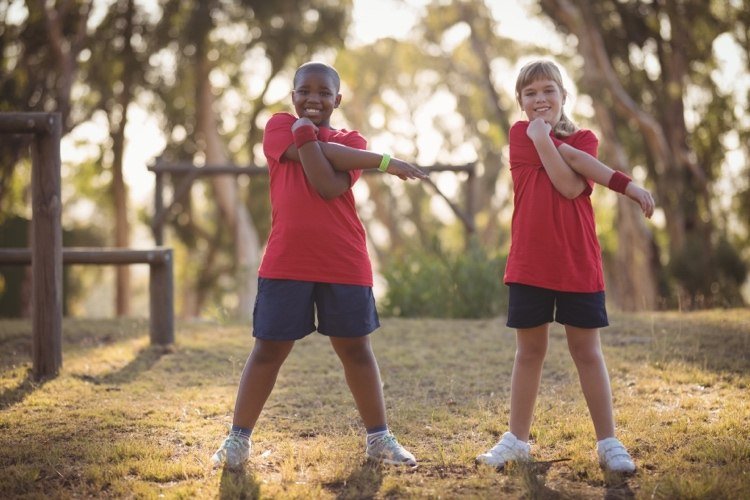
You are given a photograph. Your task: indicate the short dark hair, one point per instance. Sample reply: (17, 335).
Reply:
(319, 68)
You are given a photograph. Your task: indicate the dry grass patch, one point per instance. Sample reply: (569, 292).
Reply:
(125, 419)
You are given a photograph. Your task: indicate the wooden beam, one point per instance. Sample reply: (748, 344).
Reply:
(161, 278)
(28, 123)
(97, 256)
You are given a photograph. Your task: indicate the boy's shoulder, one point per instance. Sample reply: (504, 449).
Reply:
(352, 138)
(280, 118)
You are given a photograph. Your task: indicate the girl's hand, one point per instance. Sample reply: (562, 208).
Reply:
(538, 129)
(304, 121)
(642, 197)
(404, 170)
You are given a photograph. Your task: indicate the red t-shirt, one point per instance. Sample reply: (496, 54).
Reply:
(553, 239)
(312, 239)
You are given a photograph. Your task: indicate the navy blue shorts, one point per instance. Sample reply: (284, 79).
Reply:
(286, 310)
(530, 306)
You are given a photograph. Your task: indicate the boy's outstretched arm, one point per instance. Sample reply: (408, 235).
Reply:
(591, 168)
(345, 158)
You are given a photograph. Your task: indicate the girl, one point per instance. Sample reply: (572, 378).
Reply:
(554, 268)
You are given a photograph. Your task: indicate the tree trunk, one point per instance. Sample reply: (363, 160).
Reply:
(118, 120)
(233, 210)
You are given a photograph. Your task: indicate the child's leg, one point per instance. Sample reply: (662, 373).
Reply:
(585, 348)
(531, 348)
(363, 377)
(258, 379)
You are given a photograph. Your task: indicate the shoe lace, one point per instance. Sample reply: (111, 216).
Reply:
(232, 443)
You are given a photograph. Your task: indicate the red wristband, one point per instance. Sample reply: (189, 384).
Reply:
(618, 182)
(303, 135)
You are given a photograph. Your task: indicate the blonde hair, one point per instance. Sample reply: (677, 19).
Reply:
(540, 69)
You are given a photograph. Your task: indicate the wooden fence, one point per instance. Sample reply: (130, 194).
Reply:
(47, 256)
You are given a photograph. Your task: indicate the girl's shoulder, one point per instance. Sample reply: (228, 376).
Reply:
(520, 125)
(581, 136)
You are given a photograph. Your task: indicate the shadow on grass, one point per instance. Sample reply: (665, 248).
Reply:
(144, 361)
(13, 395)
(712, 340)
(363, 482)
(533, 475)
(238, 484)
(617, 487)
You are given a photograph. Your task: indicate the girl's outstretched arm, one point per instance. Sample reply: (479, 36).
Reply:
(591, 168)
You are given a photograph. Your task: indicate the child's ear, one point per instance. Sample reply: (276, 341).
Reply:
(338, 101)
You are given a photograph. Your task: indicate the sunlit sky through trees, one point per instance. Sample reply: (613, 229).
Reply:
(371, 20)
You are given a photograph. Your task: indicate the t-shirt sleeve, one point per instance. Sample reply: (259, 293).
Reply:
(586, 141)
(277, 136)
(354, 140)
(522, 150)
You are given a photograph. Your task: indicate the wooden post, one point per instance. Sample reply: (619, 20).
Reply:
(161, 305)
(46, 244)
(157, 225)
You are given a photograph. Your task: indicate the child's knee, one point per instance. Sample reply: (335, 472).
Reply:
(270, 352)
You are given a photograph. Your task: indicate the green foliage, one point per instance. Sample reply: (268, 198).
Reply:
(439, 283)
(712, 279)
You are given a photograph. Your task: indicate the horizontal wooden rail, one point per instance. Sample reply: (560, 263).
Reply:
(27, 122)
(208, 170)
(94, 255)
(161, 278)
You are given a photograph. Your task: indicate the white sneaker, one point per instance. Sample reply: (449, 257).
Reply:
(234, 452)
(387, 450)
(508, 449)
(613, 456)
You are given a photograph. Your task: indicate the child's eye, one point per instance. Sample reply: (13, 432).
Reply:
(326, 94)
(302, 92)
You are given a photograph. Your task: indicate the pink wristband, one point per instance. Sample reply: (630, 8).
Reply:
(618, 182)
(303, 135)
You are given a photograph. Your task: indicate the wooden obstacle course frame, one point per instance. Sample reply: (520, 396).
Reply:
(46, 252)
(192, 172)
(161, 278)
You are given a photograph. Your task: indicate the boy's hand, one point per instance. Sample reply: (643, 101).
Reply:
(404, 170)
(538, 129)
(304, 121)
(642, 197)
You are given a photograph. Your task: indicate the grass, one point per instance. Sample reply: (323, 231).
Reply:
(125, 419)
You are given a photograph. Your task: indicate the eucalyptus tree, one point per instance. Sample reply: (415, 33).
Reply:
(652, 65)
(113, 75)
(207, 57)
(40, 43)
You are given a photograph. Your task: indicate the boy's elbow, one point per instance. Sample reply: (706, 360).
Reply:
(329, 194)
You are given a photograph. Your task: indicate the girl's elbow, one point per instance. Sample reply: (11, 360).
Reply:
(573, 192)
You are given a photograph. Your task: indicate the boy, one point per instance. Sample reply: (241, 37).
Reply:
(316, 261)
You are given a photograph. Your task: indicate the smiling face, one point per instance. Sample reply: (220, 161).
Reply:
(544, 99)
(540, 92)
(316, 95)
